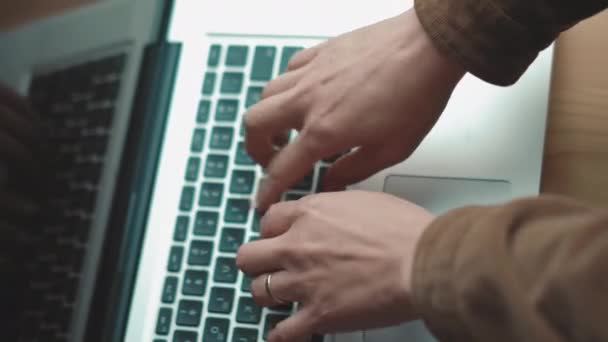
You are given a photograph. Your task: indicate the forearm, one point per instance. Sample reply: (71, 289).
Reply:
(496, 40)
(530, 270)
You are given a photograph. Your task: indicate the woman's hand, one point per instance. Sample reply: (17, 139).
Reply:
(379, 89)
(345, 257)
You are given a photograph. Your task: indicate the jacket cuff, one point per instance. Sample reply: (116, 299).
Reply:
(433, 291)
(481, 37)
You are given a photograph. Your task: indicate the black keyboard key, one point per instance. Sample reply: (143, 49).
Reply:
(221, 300)
(237, 210)
(216, 330)
(175, 258)
(231, 239)
(225, 270)
(209, 83)
(169, 290)
(288, 52)
(181, 228)
(253, 96)
(271, 321)
(185, 336)
(159, 340)
(216, 166)
(293, 196)
(192, 169)
(205, 223)
(305, 184)
(283, 307)
(322, 172)
(189, 313)
(242, 157)
(263, 62)
(198, 140)
(248, 311)
(163, 323)
(237, 55)
(246, 284)
(242, 182)
(204, 107)
(244, 335)
(221, 138)
(211, 194)
(185, 202)
(232, 83)
(195, 283)
(213, 59)
(227, 110)
(200, 253)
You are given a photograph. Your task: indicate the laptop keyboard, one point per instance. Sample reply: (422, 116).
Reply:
(76, 105)
(204, 296)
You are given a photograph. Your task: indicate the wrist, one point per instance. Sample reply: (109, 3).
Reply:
(436, 63)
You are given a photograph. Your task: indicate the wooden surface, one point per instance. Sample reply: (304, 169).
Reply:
(576, 149)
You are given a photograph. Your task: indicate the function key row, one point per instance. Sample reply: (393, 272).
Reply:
(263, 59)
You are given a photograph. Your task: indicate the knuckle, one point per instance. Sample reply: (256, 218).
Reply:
(286, 253)
(322, 130)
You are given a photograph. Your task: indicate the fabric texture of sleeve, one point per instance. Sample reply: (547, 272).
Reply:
(534, 269)
(496, 40)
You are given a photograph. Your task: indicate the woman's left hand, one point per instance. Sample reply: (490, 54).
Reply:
(345, 257)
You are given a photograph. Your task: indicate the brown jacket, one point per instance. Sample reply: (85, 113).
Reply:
(535, 269)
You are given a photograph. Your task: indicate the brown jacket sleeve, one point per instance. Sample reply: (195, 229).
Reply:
(531, 270)
(496, 40)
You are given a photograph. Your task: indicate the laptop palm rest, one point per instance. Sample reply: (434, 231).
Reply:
(439, 194)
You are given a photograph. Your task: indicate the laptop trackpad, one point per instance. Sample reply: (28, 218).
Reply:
(438, 194)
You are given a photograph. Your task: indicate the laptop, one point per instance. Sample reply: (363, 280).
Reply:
(486, 148)
(79, 70)
(182, 183)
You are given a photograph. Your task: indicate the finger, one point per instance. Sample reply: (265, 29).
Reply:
(281, 287)
(259, 256)
(283, 83)
(357, 166)
(297, 327)
(303, 57)
(265, 121)
(279, 218)
(288, 166)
